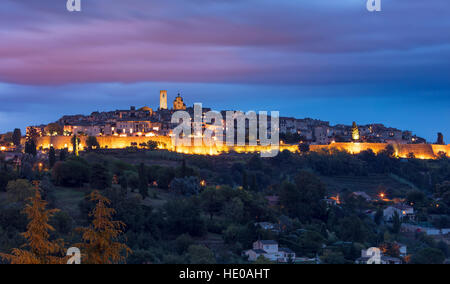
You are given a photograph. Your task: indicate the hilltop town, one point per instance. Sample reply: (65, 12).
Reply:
(149, 122)
(134, 127)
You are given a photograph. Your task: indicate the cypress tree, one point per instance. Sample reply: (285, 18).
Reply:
(253, 185)
(244, 180)
(62, 155)
(17, 135)
(51, 157)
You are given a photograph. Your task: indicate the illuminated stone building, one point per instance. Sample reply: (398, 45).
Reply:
(178, 103)
(136, 127)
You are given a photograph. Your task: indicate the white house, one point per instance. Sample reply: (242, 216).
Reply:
(270, 250)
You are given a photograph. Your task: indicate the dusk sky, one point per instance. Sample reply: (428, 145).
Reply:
(326, 59)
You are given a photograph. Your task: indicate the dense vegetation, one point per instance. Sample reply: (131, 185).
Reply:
(199, 209)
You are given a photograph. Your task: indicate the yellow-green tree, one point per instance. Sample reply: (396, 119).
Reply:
(100, 240)
(38, 249)
(76, 144)
(355, 132)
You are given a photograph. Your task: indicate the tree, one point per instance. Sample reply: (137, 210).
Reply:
(254, 184)
(5, 177)
(63, 155)
(389, 151)
(199, 254)
(428, 256)
(303, 148)
(91, 142)
(183, 242)
(310, 243)
(396, 223)
(76, 145)
(152, 145)
(187, 186)
(416, 197)
(71, 173)
(234, 209)
(165, 175)
(132, 179)
(355, 132)
(442, 189)
(17, 135)
(101, 239)
(211, 201)
(30, 147)
(378, 216)
(19, 190)
(51, 157)
(352, 229)
(184, 216)
(304, 198)
(244, 180)
(123, 181)
(262, 260)
(333, 257)
(100, 177)
(40, 249)
(143, 181)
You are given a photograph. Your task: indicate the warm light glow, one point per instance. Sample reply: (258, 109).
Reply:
(3, 148)
(336, 199)
(425, 151)
(202, 183)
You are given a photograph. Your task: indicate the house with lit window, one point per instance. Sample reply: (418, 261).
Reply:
(403, 211)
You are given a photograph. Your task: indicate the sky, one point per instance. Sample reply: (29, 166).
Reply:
(325, 59)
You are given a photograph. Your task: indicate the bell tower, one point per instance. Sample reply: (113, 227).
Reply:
(163, 99)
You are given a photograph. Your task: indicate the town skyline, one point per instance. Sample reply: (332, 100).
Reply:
(154, 102)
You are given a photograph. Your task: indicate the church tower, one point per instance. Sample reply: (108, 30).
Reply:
(178, 103)
(163, 100)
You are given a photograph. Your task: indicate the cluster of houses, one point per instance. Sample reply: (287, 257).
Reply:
(322, 133)
(149, 122)
(269, 249)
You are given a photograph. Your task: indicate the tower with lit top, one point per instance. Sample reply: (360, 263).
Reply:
(163, 99)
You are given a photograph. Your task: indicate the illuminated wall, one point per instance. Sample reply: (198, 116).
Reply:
(110, 142)
(421, 151)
